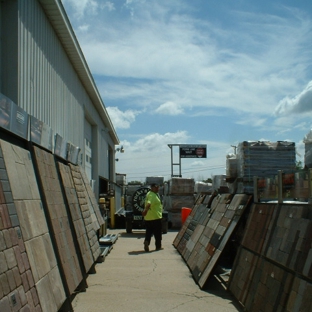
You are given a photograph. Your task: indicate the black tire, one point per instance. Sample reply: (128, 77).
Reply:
(165, 227)
(129, 226)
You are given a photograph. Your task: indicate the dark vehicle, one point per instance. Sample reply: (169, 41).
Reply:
(134, 218)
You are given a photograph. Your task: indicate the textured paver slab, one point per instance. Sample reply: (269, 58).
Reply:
(88, 214)
(38, 245)
(59, 218)
(74, 207)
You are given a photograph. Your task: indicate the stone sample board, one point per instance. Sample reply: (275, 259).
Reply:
(259, 227)
(189, 224)
(34, 230)
(93, 203)
(88, 214)
(207, 232)
(17, 287)
(272, 271)
(223, 229)
(59, 219)
(291, 242)
(76, 215)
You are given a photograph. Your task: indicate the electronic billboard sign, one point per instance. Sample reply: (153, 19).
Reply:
(193, 151)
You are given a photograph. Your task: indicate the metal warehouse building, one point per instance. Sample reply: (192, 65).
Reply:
(43, 71)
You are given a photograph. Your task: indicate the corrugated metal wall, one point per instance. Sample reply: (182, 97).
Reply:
(49, 87)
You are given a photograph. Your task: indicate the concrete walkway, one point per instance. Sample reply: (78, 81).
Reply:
(132, 280)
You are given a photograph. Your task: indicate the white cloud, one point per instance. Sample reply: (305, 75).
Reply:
(159, 54)
(301, 103)
(151, 142)
(169, 108)
(81, 7)
(121, 120)
(196, 66)
(108, 5)
(84, 28)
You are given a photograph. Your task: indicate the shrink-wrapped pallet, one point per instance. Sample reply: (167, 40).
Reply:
(231, 166)
(157, 180)
(219, 181)
(175, 203)
(120, 179)
(265, 159)
(202, 187)
(181, 186)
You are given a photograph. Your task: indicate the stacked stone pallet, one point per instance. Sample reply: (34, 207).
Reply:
(263, 159)
(121, 180)
(179, 193)
(273, 268)
(48, 225)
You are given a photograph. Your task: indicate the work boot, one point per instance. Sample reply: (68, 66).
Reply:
(146, 248)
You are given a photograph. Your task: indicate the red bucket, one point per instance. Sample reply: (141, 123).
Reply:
(184, 213)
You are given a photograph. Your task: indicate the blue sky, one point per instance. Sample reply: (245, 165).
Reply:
(198, 72)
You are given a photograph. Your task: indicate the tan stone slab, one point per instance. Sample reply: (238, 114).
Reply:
(41, 258)
(77, 216)
(93, 200)
(39, 262)
(21, 172)
(33, 219)
(50, 291)
(55, 205)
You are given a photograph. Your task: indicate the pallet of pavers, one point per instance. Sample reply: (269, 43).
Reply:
(211, 234)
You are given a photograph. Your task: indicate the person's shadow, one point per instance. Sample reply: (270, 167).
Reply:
(139, 252)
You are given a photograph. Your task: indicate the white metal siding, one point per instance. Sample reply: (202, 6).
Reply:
(49, 88)
(48, 84)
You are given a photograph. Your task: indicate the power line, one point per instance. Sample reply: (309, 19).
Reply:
(169, 174)
(191, 170)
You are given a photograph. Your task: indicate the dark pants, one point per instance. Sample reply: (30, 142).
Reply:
(153, 227)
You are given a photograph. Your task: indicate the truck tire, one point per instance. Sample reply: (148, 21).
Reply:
(129, 226)
(165, 227)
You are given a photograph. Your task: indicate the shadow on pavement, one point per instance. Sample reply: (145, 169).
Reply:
(217, 285)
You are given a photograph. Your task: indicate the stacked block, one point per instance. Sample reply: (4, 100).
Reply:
(179, 193)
